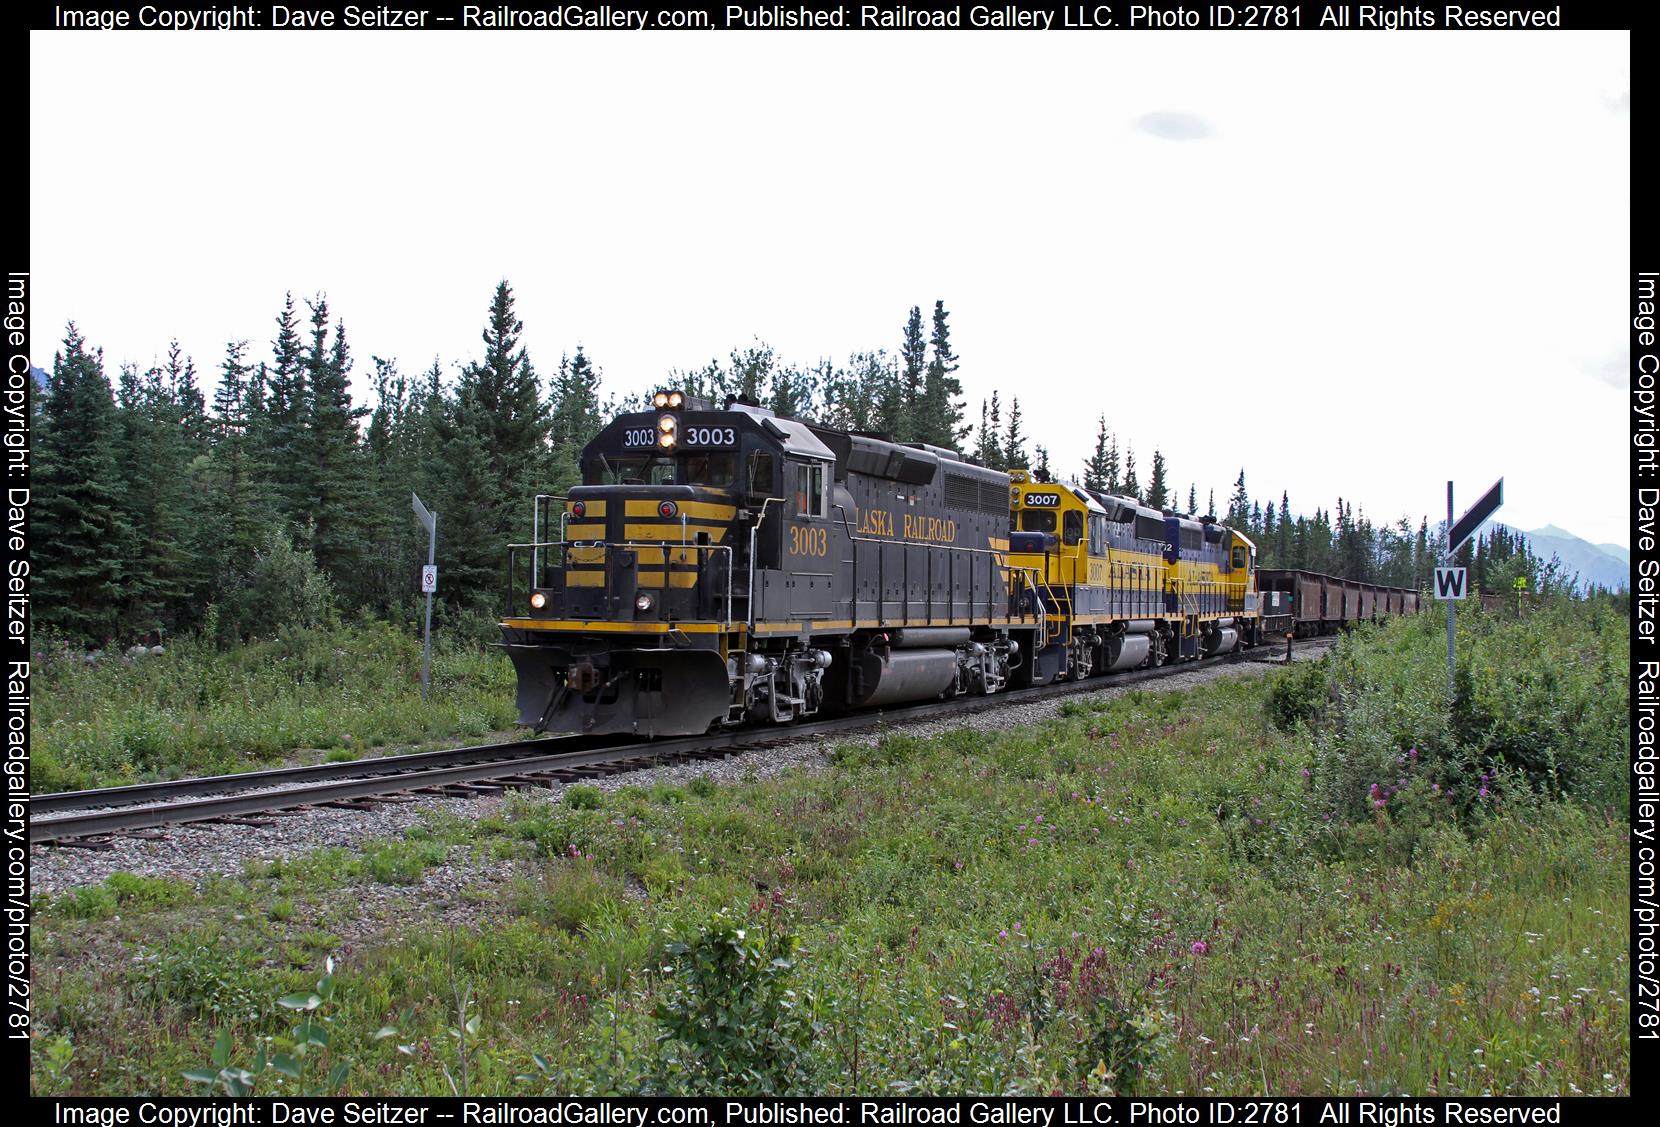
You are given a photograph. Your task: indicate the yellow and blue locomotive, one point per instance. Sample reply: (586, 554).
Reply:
(728, 566)
(1124, 585)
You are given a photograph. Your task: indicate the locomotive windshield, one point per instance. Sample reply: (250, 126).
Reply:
(695, 468)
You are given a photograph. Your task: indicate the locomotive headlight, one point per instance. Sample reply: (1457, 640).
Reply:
(660, 400)
(666, 427)
(642, 603)
(676, 399)
(667, 509)
(538, 600)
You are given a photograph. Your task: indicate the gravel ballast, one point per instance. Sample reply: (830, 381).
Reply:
(196, 853)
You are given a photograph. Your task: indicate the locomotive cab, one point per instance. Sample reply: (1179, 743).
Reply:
(688, 518)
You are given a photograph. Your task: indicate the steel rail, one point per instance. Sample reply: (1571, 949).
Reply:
(546, 769)
(134, 793)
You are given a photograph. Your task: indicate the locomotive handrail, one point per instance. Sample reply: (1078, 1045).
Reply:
(999, 557)
(664, 546)
(536, 525)
(754, 535)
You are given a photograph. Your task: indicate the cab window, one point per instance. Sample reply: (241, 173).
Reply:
(1037, 520)
(760, 474)
(646, 470)
(709, 469)
(1238, 556)
(812, 495)
(1072, 528)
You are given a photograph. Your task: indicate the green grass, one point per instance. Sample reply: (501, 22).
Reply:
(1153, 895)
(199, 710)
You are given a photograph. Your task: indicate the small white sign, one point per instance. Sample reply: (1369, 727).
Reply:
(429, 579)
(1450, 583)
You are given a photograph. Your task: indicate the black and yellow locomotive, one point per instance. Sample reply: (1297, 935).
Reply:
(727, 566)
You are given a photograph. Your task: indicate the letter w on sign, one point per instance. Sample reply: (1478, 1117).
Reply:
(1449, 583)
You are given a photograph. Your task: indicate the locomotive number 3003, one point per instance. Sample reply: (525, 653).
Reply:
(711, 436)
(808, 541)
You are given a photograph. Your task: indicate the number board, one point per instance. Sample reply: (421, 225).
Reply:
(1043, 500)
(710, 436)
(725, 438)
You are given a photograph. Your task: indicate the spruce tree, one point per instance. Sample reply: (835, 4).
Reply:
(280, 430)
(236, 496)
(940, 410)
(1193, 498)
(1132, 487)
(334, 471)
(575, 418)
(500, 420)
(83, 537)
(1014, 443)
(913, 358)
(1239, 505)
(162, 574)
(990, 448)
(1098, 474)
(1285, 529)
(186, 391)
(1158, 488)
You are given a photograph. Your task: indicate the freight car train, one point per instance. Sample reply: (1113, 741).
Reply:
(1306, 603)
(724, 566)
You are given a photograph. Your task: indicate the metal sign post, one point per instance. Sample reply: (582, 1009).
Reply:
(1449, 580)
(429, 584)
(1452, 605)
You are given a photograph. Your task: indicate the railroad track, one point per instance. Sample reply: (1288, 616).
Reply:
(261, 798)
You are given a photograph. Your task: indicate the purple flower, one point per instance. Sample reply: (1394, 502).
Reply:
(1435, 788)
(1374, 790)
(1413, 755)
(1307, 774)
(1200, 947)
(1039, 819)
(1379, 803)
(1003, 933)
(1482, 792)
(1401, 783)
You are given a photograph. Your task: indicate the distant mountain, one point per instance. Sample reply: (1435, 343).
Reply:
(1606, 564)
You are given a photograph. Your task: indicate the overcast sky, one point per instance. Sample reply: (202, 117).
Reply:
(1355, 264)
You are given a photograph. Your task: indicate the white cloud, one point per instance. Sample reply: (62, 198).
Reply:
(1385, 265)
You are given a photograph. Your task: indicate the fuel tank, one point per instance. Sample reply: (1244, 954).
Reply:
(880, 678)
